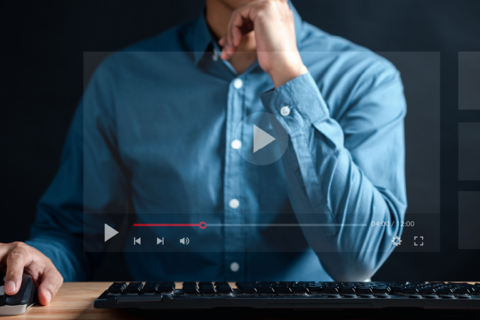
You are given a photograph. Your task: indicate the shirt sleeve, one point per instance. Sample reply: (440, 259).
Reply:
(91, 180)
(345, 174)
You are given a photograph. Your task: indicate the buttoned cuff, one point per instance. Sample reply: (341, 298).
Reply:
(296, 104)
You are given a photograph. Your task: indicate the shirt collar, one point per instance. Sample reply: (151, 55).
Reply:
(202, 37)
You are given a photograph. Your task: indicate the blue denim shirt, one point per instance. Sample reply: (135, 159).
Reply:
(155, 131)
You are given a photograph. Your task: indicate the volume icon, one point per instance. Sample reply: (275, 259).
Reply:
(185, 241)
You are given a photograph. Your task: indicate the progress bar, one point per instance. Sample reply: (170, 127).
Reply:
(203, 225)
(286, 225)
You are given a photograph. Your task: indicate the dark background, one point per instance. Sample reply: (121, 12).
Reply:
(44, 45)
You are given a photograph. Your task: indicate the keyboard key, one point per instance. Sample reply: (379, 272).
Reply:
(265, 283)
(190, 288)
(284, 290)
(397, 288)
(247, 287)
(117, 287)
(207, 288)
(381, 289)
(411, 290)
(364, 289)
(330, 289)
(224, 287)
(299, 289)
(463, 291)
(221, 284)
(166, 287)
(151, 287)
(428, 290)
(329, 284)
(445, 290)
(243, 284)
(315, 287)
(347, 289)
(134, 288)
(265, 289)
(189, 284)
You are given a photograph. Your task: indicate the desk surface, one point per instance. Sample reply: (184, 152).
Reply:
(75, 301)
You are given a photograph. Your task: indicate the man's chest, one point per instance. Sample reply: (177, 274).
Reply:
(176, 139)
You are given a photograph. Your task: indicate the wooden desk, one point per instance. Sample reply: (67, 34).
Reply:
(75, 301)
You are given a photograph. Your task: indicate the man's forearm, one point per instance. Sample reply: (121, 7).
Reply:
(328, 189)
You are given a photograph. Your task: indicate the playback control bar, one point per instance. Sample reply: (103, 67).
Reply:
(177, 232)
(110, 232)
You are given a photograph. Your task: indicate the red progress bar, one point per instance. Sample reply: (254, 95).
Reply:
(202, 225)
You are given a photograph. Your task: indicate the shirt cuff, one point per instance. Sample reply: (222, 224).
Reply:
(297, 104)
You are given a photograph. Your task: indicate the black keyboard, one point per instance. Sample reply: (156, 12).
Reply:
(291, 295)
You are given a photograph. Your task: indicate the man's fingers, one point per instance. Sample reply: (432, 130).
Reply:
(16, 260)
(241, 24)
(50, 283)
(237, 27)
(226, 52)
(19, 258)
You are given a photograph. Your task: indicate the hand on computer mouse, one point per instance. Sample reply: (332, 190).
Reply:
(18, 258)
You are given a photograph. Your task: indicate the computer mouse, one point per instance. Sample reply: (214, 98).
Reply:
(20, 302)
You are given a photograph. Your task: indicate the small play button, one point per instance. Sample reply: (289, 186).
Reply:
(109, 232)
(261, 139)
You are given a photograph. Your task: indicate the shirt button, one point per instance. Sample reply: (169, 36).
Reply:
(234, 203)
(285, 111)
(234, 267)
(215, 55)
(238, 83)
(236, 144)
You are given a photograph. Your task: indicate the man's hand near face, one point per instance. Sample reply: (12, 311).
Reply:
(18, 258)
(273, 25)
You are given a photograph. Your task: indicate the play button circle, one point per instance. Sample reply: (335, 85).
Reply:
(261, 144)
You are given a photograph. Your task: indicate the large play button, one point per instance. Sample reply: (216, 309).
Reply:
(260, 139)
(109, 232)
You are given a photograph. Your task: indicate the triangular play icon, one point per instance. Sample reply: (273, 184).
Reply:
(261, 139)
(109, 232)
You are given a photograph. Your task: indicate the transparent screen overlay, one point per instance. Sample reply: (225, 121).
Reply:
(250, 146)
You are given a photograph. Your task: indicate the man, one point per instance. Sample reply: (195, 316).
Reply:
(160, 126)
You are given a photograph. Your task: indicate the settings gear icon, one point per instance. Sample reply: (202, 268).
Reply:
(396, 241)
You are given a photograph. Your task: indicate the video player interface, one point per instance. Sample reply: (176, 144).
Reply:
(237, 200)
